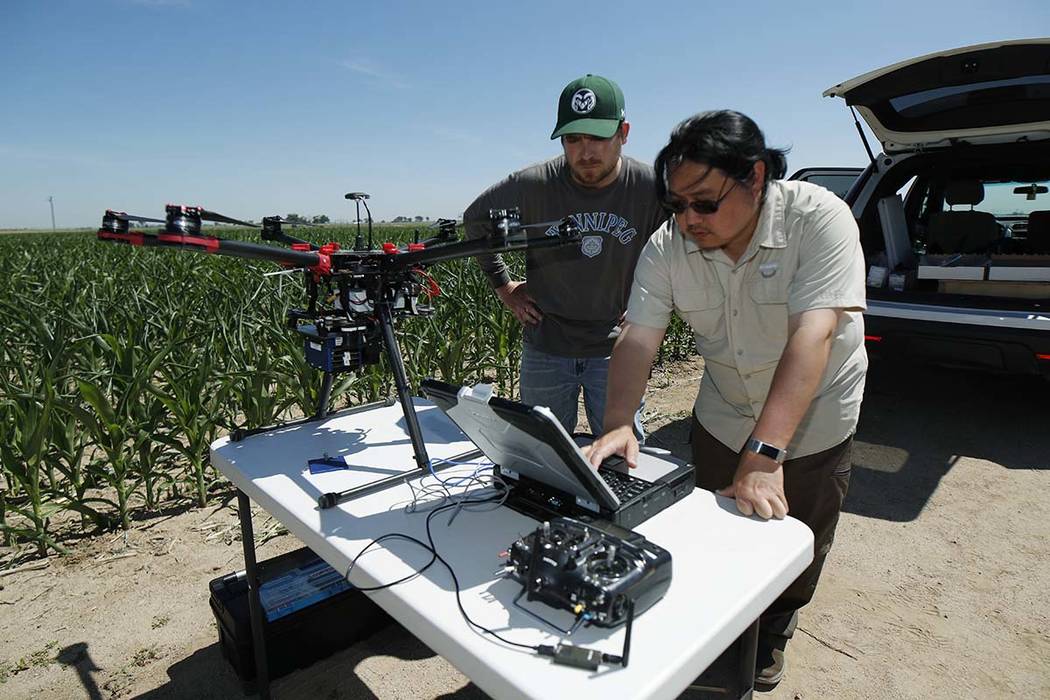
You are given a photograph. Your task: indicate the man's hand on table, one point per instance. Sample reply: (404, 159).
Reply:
(758, 487)
(618, 441)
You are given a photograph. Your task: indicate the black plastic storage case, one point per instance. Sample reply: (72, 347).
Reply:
(295, 638)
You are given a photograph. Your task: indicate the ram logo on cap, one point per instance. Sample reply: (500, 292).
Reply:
(583, 101)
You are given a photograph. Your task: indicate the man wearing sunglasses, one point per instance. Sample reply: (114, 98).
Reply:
(573, 298)
(770, 276)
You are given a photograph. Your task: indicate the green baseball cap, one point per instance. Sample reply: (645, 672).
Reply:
(590, 105)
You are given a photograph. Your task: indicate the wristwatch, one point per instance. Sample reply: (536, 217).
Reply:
(775, 453)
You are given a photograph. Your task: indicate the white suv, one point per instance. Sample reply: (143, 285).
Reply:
(954, 214)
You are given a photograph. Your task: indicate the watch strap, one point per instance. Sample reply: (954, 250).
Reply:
(777, 454)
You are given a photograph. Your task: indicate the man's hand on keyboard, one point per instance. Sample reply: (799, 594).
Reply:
(618, 441)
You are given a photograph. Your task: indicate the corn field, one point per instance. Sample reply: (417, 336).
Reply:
(120, 366)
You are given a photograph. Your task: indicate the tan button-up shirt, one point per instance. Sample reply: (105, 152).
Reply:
(805, 254)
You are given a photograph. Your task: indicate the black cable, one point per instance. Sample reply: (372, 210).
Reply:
(431, 547)
(565, 654)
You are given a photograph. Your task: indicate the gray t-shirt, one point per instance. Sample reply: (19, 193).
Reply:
(581, 290)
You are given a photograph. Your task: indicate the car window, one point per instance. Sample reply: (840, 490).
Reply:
(1001, 200)
(835, 181)
(955, 97)
(839, 184)
(905, 189)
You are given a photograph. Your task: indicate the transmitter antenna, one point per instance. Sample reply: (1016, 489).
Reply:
(359, 198)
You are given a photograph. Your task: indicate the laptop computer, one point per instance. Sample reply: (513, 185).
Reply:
(545, 467)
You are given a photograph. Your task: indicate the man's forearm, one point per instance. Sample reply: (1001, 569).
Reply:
(795, 382)
(491, 264)
(495, 270)
(632, 358)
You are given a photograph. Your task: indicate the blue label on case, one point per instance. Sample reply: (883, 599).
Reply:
(300, 588)
(321, 465)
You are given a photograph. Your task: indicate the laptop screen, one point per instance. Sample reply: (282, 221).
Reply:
(524, 440)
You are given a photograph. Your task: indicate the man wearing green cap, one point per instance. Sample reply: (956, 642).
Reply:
(573, 298)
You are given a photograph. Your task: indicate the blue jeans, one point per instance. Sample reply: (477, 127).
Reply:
(555, 382)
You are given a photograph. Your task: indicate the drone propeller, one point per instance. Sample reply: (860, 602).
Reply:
(539, 224)
(438, 223)
(291, 222)
(446, 231)
(271, 231)
(117, 221)
(222, 219)
(124, 216)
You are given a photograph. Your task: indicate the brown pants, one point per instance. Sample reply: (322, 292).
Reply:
(815, 487)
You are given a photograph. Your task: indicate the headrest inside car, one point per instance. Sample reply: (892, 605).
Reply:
(1039, 223)
(964, 192)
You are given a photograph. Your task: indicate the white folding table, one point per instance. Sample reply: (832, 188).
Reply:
(726, 568)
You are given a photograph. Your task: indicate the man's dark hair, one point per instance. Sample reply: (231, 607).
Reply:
(723, 139)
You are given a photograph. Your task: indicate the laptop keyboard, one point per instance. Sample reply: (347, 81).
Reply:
(623, 485)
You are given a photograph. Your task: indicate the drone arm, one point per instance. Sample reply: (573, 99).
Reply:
(135, 238)
(317, 262)
(477, 246)
(254, 251)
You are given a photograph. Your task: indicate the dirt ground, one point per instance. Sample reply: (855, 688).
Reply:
(936, 586)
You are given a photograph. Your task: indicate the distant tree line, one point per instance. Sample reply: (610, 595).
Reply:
(299, 219)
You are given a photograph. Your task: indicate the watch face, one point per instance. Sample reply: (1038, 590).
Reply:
(767, 450)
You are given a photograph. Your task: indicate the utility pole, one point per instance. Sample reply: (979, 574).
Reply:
(51, 201)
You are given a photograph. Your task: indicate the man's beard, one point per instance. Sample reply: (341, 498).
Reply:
(591, 177)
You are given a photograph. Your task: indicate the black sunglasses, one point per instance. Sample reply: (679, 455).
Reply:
(700, 206)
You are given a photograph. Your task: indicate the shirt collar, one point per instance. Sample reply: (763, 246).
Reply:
(770, 231)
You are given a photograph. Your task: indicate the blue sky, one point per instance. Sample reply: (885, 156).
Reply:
(266, 108)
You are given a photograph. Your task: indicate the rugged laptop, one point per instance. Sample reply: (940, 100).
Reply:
(548, 473)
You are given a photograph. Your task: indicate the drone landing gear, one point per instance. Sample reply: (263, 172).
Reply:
(404, 395)
(415, 433)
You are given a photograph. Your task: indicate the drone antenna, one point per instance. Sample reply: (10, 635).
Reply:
(369, 223)
(359, 244)
(358, 198)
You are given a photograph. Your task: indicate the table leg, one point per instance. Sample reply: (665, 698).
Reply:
(748, 656)
(262, 671)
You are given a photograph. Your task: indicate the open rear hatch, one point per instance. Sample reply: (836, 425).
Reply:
(988, 93)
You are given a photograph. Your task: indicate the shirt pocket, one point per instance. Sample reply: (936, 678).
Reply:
(770, 316)
(703, 308)
(769, 290)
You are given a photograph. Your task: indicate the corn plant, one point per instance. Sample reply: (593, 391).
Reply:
(195, 397)
(117, 416)
(25, 415)
(68, 457)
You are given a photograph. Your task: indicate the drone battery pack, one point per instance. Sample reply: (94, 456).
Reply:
(309, 611)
